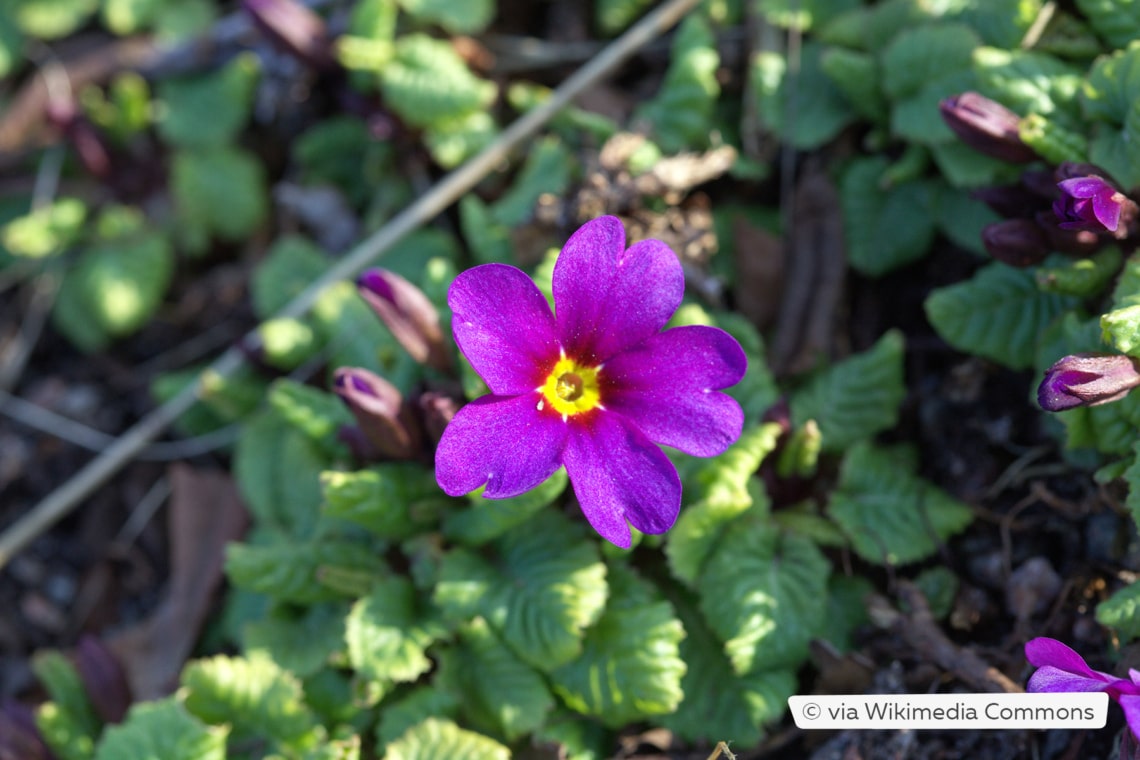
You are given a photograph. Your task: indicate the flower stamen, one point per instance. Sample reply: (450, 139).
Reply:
(571, 388)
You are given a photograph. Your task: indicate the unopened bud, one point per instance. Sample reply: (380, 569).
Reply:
(19, 737)
(1014, 201)
(1017, 242)
(293, 28)
(408, 315)
(381, 414)
(103, 679)
(1087, 380)
(436, 409)
(986, 126)
(85, 139)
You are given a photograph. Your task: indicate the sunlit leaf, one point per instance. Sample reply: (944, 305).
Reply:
(162, 730)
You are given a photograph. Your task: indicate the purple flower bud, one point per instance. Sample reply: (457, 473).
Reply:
(381, 414)
(88, 143)
(1017, 242)
(437, 410)
(1089, 203)
(1014, 201)
(1074, 242)
(986, 126)
(1087, 380)
(408, 314)
(293, 28)
(103, 679)
(19, 737)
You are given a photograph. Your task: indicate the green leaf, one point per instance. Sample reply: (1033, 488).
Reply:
(962, 166)
(939, 585)
(886, 228)
(11, 46)
(356, 337)
(316, 414)
(389, 499)
(719, 704)
(543, 588)
(427, 83)
(630, 667)
(613, 16)
(45, 231)
(251, 694)
(1121, 611)
(1002, 23)
(846, 610)
(804, 14)
(892, 516)
(299, 642)
(291, 572)
(681, 112)
(916, 117)
(486, 519)
(344, 749)
(68, 723)
(388, 634)
(52, 19)
(1118, 150)
(1118, 21)
(208, 109)
(291, 263)
(500, 694)
(468, 17)
(925, 53)
(857, 76)
(219, 192)
(125, 17)
(436, 739)
(806, 108)
(547, 170)
(961, 218)
(420, 703)
(760, 592)
(1083, 277)
(285, 344)
(1029, 82)
(489, 239)
(1051, 142)
(856, 398)
(64, 733)
(162, 730)
(453, 141)
(121, 285)
(998, 314)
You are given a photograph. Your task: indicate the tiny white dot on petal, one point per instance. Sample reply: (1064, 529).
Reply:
(541, 404)
(565, 417)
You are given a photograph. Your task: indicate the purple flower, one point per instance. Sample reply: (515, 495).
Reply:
(591, 388)
(1087, 380)
(1060, 669)
(1088, 203)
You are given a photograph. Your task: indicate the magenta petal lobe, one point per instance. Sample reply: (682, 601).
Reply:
(504, 327)
(507, 443)
(620, 476)
(608, 298)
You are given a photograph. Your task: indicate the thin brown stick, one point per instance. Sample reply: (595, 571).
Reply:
(60, 502)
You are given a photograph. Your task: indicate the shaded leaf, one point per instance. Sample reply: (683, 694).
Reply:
(300, 643)
(486, 519)
(468, 17)
(436, 739)
(806, 109)
(219, 192)
(389, 499)
(419, 704)
(1121, 611)
(208, 109)
(291, 263)
(885, 228)
(681, 111)
(162, 730)
(291, 572)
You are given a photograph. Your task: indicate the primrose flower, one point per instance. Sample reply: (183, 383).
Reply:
(1088, 203)
(593, 387)
(1060, 669)
(1087, 380)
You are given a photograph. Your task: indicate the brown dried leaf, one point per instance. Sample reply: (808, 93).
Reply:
(759, 258)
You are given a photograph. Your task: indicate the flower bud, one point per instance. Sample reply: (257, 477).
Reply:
(381, 415)
(1091, 203)
(1014, 201)
(1017, 242)
(294, 28)
(436, 409)
(103, 679)
(19, 737)
(408, 314)
(1087, 380)
(85, 139)
(986, 126)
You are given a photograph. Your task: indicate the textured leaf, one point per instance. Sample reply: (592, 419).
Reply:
(388, 499)
(544, 588)
(314, 413)
(857, 76)
(806, 108)
(11, 46)
(356, 337)
(218, 191)
(416, 706)
(681, 111)
(208, 109)
(500, 693)
(720, 705)
(961, 218)
(51, 19)
(68, 723)
(290, 265)
(1052, 142)
(1082, 277)
(468, 17)
(125, 17)
(387, 633)
(300, 643)
(45, 231)
(252, 694)
(278, 471)
(892, 516)
(922, 54)
(916, 117)
(436, 739)
(964, 167)
(1028, 82)
(1118, 150)
(1118, 21)
(1002, 23)
(804, 14)
(291, 572)
(997, 314)
(286, 344)
(64, 733)
(760, 592)
(489, 239)
(1113, 84)
(486, 519)
(1121, 611)
(630, 667)
(547, 170)
(613, 16)
(856, 398)
(427, 83)
(885, 228)
(162, 730)
(453, 141)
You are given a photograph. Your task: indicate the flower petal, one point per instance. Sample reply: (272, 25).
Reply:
(1131, 705)
(504, 327)
(1043, 651)
(1048, 679)
(619, 475)
(607, 298)
(666, 386)
(1107, 210)
(504, 442)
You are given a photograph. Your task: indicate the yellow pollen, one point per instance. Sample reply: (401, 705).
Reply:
(571, 388)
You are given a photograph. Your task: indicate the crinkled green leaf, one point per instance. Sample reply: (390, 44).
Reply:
(1121, 612)
(389, 499)
(1002, 23)
(962, 166)
(301, 642)
(578, 739)
(1118, 21)
(885, 228)
(760, 592)
(342, 749)
(856, 398)
(388, 632)
(961, 217)
(64, 733)
(1081, 277)
(413, 708)
(51, 19)
(804, 14)
(468, 17)
(997, 314)
(499, 693)
(489, 239)
(436, 739)
(857, 76)
(453, 141)
(1051, 141)
(68, 723)
(916, 117)
(278, 472)
(891, 515)
(1117, 150)
(720, 705)
(340, 151)
(922, 54)
(427, 83)
(252, 695)
(291, 263)
(162, 730)
(125, 17)
(547, 170)
(681, 112)
(291, 572)
(316, 414)
(846, 609)
(356, 337)
(485, 519)
(724, 483)
(286, 343)
(1121, 329)
(871, 28)
(1028, 82)
(543, 587)
(208, 109)
(218, 192)
(630, 667)
(806, 108)
(45, 231)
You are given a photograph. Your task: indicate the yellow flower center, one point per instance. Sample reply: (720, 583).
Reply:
(571, 388)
